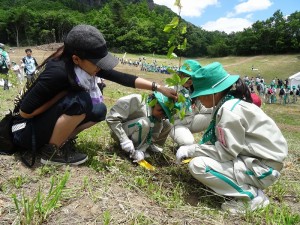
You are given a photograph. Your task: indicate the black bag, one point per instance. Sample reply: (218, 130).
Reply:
(6, 136)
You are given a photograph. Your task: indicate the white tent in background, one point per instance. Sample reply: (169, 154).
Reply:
(294, 80)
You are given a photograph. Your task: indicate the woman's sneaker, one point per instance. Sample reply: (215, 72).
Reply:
(70, 144)
(241, 206)
(53, 155)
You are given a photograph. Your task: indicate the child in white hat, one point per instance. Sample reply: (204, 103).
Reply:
(242, 151)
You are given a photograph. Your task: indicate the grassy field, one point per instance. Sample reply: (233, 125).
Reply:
(110, 189)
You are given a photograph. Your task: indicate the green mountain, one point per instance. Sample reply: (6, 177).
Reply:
(136, 26)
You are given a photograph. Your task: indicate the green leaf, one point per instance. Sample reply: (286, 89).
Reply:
(184, 29)
(171, 49)
(172, 120)
(175, 21)
(168, 28)
(178, 3)
(170, 105)
(182, 113)
(170, 70)
(181, 98)
(170, 82)
(176, 78)
(184, 43)
(171, 40)
(183, 80)
(144, 97)
(152, 103)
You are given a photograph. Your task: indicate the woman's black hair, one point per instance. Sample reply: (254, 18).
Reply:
(241, 91)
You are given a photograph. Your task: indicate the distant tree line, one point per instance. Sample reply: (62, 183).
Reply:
(134, 28)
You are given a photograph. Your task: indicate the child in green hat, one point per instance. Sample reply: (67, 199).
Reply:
(197, 117)
(138, 125)
(242, 151)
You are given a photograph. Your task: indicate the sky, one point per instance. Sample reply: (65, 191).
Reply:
(230, 15)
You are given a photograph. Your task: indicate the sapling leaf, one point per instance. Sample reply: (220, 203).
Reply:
(181, 98)
(171, 49)
(171, 40)
(182, 113)
(171, 71)
(176, 78)
(177, 3)
(184, 80)
(152, 102)
(184, 44)
(175, 21)
(168, 28)
(170, 105)
(173, 24)
(172, 120)
(144, 97)
(170, 82)
(184, 29)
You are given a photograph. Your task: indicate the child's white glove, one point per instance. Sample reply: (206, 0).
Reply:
(138, 156)
(182, 153)
(128, 146)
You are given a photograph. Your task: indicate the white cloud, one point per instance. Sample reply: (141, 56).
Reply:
(249, 16)
(252, 6)
(190, 8)
(227, 25)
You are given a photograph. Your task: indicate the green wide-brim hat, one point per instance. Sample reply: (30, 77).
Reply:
(163, 101)
(211, 79)
(189, 67)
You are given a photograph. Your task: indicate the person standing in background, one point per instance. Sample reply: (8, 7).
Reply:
(4, 65)
(30, 64)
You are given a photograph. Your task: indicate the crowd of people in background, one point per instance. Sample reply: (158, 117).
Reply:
(277, 91)
(149, 66)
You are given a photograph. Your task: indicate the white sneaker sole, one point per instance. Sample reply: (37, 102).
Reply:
(234, 211)
(47, 162)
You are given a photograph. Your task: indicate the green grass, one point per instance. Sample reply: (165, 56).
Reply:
(170, 187)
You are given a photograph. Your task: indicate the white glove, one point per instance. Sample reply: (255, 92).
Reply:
(182, 153)
(138, 156)
(128, 146)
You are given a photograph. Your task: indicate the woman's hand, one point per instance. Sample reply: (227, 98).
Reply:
(169, 92)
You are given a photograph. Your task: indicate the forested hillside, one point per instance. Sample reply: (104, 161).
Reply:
(136, 26)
